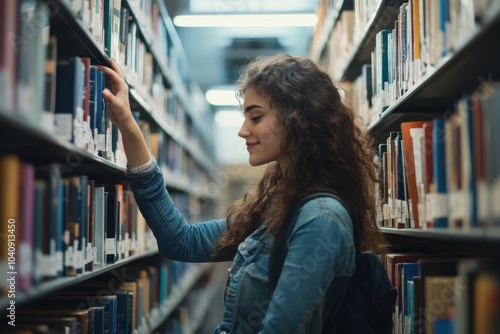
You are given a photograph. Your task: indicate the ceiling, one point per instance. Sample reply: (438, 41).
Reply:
(215, 55)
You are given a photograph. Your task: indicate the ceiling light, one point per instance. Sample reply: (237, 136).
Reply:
(228, 118)
(221, 97)
(251, 20)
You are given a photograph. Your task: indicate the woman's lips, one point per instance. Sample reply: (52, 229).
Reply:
(251, 145)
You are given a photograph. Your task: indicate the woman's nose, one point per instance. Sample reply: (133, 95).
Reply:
(244, 131)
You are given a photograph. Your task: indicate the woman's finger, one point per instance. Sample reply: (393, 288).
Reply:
(116, 68)
(110, 73)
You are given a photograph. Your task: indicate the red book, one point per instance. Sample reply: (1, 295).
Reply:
(428, 167)
(27, 198)
(410, 166)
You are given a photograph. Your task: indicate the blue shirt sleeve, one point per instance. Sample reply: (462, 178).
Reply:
(321, 248)
(177, 239)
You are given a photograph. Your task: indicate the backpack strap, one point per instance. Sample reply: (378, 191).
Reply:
(280, 245)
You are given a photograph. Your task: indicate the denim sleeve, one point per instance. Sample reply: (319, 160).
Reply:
(321, 247)
(177, 240)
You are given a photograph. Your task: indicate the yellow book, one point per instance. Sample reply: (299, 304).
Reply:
(10, 168)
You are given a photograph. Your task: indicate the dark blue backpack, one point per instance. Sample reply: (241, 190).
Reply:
(369, 304)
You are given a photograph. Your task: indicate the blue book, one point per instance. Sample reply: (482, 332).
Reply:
(439, 167)
(83, 300)
(444, 18)
(123, 321)
(162, 284)
(52, 226)
(382, 70)
(93, 99)
(367, 83)
(99, 114)
(70, 91)
(98, 319)
(443, 326)
(410, 270)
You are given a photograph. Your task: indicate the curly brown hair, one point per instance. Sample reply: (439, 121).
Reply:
(323, 143)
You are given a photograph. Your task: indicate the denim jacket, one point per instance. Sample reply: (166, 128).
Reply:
(321, 249)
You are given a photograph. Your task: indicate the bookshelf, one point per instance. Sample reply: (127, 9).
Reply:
(423, 76)
(52, 255)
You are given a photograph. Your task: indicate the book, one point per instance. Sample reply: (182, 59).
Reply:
(112, 222)
(49, 100)
(486, 302)
(52, 261)
(10, 173)
(99, 227)
(439, 301)
(440, 205)
(31, 44)
(431, 294)
(27, 212)
(412, 134)
(429, 185)
(479, 158)
(8, 48)
(89, 257)
(63, 300)
(69, 109)
(410, 270)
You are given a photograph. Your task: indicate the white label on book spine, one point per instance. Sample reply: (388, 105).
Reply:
(69, 257)
(25, 258)
(101, 141)
(110, 246)
(429, 206)
(6, 95)
(495, 193)
(63, 126)
(59, 261)
(440, 205)
(454, 204)
(90, 253)
(47, 121)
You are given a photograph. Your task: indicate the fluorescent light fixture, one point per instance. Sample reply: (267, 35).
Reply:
(228, 118)
(246, 21)
(221, 97)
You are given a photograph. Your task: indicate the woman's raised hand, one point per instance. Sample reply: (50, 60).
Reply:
(120, 114)
(116, 95)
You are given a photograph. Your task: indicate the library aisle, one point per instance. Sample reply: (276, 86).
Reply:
(76, 254)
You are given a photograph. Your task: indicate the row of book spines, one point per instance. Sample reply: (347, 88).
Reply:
(138, 63)
(91, 130)
(444, 172)
(127, 300)
(444, 295)
(145, 22)
(109, 22)
(401, 55)
(34, 96)
(65, 225)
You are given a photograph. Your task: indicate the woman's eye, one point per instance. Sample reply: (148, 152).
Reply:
(256, 118)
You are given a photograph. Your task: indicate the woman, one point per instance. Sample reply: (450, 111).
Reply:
(296, 122)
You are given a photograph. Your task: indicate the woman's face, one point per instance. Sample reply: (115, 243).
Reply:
(262, 130)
